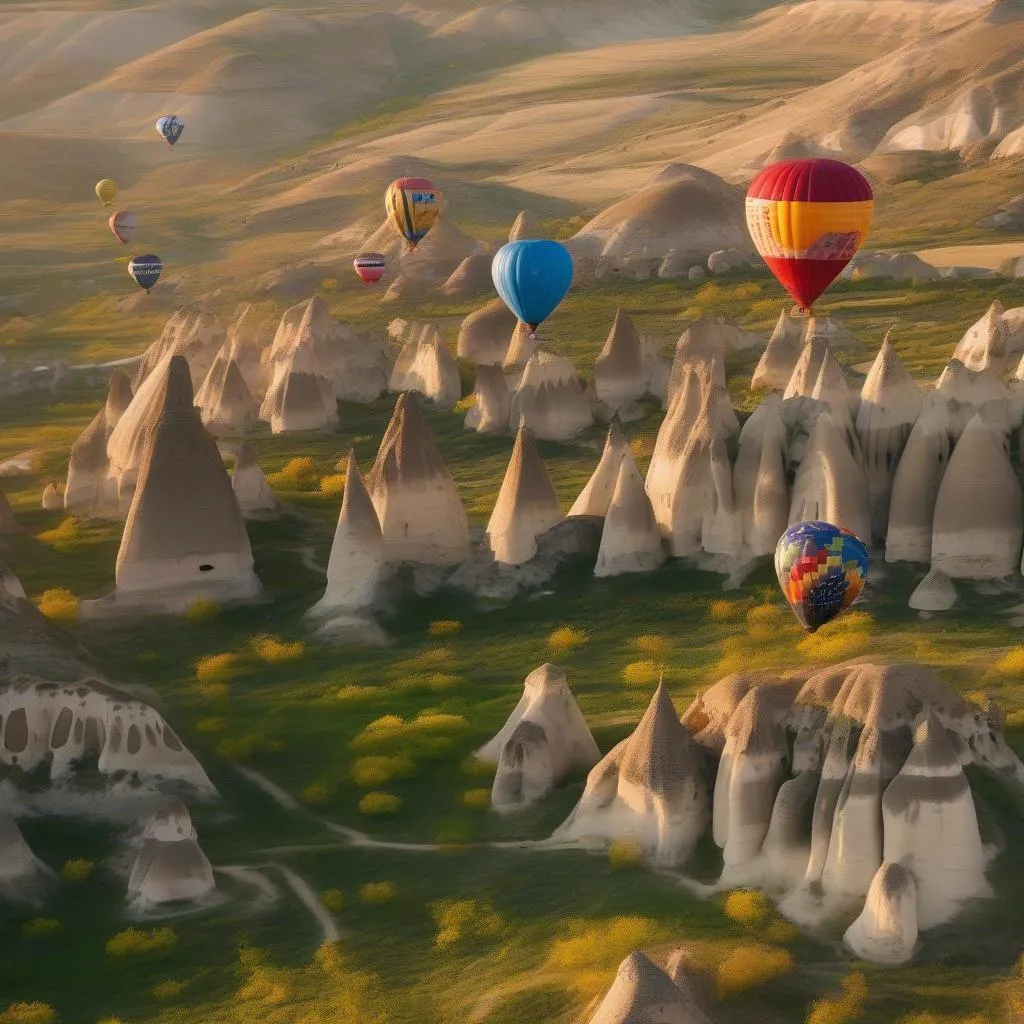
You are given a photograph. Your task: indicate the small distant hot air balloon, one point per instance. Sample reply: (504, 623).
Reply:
(123, 225)
(532, 276)
(370, 266)
(821, 570)
(145, 270)
(808, 218)
(412, 205)
(106, 190)
(170, 127)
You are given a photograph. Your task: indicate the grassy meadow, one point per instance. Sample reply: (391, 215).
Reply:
(381, 741)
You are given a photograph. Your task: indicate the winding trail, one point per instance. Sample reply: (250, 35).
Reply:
(301, 888)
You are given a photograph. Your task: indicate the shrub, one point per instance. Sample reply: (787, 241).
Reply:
(652, 645)
(463, 405)
(28, 1013)
(477, 799)
(445, 627)
(329, 284)
(1015, 720)
(208, 726)
(459, 920)
(216, 668)
(641, 673)
(567, 639)
(748, 907)
(379, 802)
(78, 869)
(317, 794)
(355, 693)
(333, 900)
(296, 475)
(376, 770)
(1010, 664)
(747, 967)
(168, 990)
(136, 942)
(376, 894)
(242, 748)
(273, 650)
(625, 853)
(65, 537)
(841, 1009)
(604, 943)
(442, 680)
(202, 610)
(724, 610)
(59, 605)
(40, 927)
(332, 485)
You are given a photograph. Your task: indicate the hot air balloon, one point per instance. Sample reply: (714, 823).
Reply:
(124, 225)
(170, 128)
(106, 190)
(821, 570)
(145, 270)
(370, 266)
(532, 276)
(412, 205)
(808, 218)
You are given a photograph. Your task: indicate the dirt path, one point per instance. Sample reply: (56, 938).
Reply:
(301, 888)
(986, 254)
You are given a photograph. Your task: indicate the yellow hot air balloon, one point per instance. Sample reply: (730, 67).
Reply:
(412, 205)
(106, 190)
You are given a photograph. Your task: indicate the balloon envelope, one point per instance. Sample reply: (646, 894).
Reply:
(532, 277)
(170, 128)
(412, 205)
(123, 225)
(106, 190)
(145, 270)
(821, 569)
(370, 266)
(807, 219)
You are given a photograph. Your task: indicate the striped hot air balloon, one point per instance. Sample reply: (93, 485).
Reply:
(370, 266)
(145, 270)
(808, 218)
(412, 205)
(821, 570)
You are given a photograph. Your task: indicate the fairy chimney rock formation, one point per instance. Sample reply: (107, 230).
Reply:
(631, 540)
(224, 400)
(252, 489)
(492, 402)
(620, 376)
(170, 866)
(886, 930)
(596, 496)
(781, 354)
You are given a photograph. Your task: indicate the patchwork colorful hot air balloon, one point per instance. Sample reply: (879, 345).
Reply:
(808, 218)
(370, 266)
(532, 276)
(145, 270)
(821, 570)
(412, 205)
(106, 190)
(170, 127)
(123, 225)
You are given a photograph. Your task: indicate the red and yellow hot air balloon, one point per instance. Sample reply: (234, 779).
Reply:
(412, 206)
(370, 266)
(808, 218)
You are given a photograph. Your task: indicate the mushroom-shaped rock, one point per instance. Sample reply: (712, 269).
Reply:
(420, 513)
(643, 993)
(890, 403)
(492, 403)
(184, 537)
(935, 593)
(830, 485)
(170, 866)
(651, 789)
(434, 372)
(484, 334)
(759, 478)
(779, 359)
(620, 375)
(52, 498)
(931, 826)
(915, 484)
(357, 553)
(524, 227)
(631, 540)
(527, 505)
(544, 739)
(252, 489)
(886, 930)
(979, 510)
(551, 400)
(595, 498)
(224, 400)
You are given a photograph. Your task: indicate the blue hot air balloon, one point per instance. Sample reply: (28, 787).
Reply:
(145, 270)
(170, 127)
(532, 277)
(821, 570)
